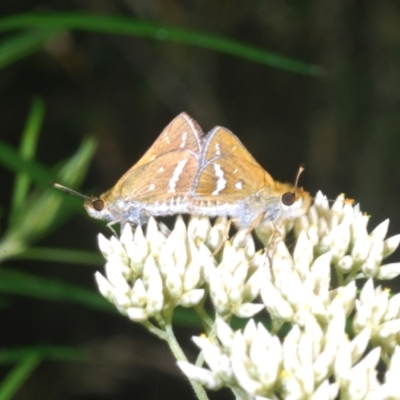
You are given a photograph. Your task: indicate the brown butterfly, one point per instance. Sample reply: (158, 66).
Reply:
(230, 182)
(158, 183)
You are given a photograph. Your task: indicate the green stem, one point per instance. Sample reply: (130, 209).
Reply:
(206, 321)
(339, 276)
(154, 330)
(180, 356)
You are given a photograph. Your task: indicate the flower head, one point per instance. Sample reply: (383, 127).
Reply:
(342, 231)
(147, 274)
(311, 286)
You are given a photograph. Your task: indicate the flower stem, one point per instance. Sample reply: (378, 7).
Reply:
(180, 356)
(207, 322)
(339, 277)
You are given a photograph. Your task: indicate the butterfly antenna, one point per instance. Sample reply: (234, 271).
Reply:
(299, 172)
(69, 191)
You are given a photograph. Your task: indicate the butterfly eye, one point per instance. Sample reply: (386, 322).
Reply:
(288, 198)
(98, 204)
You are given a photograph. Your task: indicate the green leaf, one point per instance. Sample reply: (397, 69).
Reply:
(27, 152)
(130, 26)
(74, 170)
(12, 160)
(21, 283)
(18, 375)
(11, 356)
(19, 46)
(27, 359)
(43, 210)
(52, 254)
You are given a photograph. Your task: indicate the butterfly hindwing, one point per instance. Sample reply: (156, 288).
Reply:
(222, 142)
(228, 179)
(227, 169)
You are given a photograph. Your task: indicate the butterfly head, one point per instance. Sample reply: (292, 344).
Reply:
(286, 203)
(106, 208)
(96, 208)
(293, 201)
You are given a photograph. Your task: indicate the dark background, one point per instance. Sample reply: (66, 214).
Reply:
(344, 125)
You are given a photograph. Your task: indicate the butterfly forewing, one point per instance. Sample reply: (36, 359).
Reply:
(181, 133)
(169, 175)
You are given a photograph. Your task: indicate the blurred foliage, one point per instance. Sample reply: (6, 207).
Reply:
(130, 26)
(35, 211)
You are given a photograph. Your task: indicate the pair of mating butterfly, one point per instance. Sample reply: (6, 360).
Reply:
(187, 172)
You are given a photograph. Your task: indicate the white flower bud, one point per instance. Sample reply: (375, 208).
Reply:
(390, 245)
(191, 298)
(345, 264)
(138, 295)
(201, 375)
(174, 284)
(340, 239)
(152, 279)
(115, 274)
(388, 271)
(248, 310)
(199, 228)
(137, 314)
(380, 231)
(105, 287)
(393, 310)
(104, 245)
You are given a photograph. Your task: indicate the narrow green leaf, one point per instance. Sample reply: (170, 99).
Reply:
(18, 375)
(74, 170)
(20, 283)
(41, 175)
(53, 254)
(27, 152)
(63, 353)
(19, 46)
(130, 26)
(12, 160)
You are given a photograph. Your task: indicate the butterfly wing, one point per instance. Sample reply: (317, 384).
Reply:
(221, 141)
(227, 172)
(182, 132)
(169, 175)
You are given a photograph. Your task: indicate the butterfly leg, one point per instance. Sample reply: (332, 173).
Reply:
(225, 237)
(111, 223)
(277, 235)
(145, 215)
(249, 230)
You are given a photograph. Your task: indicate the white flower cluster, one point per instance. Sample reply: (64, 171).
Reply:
(309, 363)
(298, 285)
(342, 231)
(147, 276)
(377, 310)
